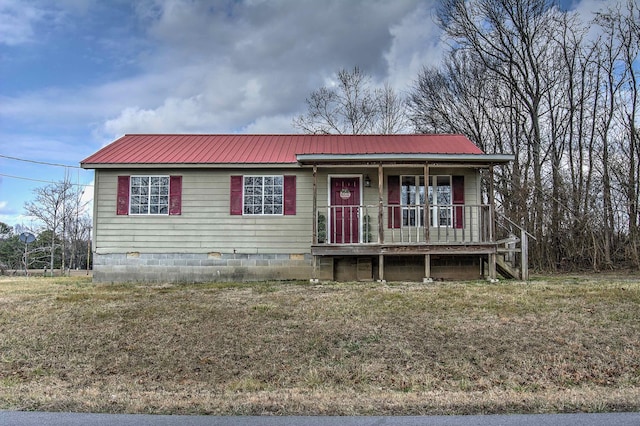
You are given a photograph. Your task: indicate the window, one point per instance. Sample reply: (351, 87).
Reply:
(412, 200)
(263, 195)
(139, 195)
(149, 195)
(441, 210)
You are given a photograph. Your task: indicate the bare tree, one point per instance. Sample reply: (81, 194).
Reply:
(512, 39)
(51, 207)
(621, 45)
(524, 77)
(78, 227)
(352, 106)
(391, 111)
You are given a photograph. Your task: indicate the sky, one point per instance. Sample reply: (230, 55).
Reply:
(77, 74)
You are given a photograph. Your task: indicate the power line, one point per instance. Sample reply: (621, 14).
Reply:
(40, 180)
(39, 162)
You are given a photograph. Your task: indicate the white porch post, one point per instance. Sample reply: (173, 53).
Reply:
(315, 204)
(524, 255)
(314, 240)
(427, 207)
(380, 220)
(380, 204)
(492, 207)
(492, 266)
(427, 269)
(492, 258)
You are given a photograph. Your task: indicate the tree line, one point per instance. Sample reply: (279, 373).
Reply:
(63, 235)
(525, 77)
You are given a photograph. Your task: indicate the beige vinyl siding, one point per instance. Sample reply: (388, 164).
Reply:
(205, 224)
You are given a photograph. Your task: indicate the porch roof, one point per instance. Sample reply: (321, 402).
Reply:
(404, 158)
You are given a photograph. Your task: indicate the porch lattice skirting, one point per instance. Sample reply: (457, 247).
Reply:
(199, 267)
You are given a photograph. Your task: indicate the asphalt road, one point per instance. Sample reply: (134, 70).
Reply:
(21, 418)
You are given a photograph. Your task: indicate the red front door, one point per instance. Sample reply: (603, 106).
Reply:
(345, 207)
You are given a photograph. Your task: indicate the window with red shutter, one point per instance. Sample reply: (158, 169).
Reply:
(289, 195)
(236, 195)
(263, 195)
(457, 187)
(149, 195)
(122, 203)
(393, 198)
(175, 195)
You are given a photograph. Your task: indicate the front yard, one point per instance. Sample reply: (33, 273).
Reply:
(561, 344)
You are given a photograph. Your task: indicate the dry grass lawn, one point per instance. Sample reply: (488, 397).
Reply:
(552, 345)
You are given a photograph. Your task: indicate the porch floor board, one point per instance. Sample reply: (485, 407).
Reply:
(402, 249)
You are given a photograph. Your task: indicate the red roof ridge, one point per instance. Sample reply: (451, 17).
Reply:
(295, 134)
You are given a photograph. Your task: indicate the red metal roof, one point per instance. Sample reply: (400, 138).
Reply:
(267, 149)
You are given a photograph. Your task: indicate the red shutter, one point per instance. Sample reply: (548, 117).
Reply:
(393, 198)
(289, 195)
(457, 187)
(175, 195)
(122, 207)
(236, 195)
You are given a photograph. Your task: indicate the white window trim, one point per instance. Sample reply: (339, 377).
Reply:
(131, 177)
(405, 207)
(433, 207)
(262, 214)
(435, 218)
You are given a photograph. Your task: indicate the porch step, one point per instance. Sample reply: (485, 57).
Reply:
(505, 269)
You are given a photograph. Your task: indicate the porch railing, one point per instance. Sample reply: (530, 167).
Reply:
(347, 224)
(404, 224)
(513, 250)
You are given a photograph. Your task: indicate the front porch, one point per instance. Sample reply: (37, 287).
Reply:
(374, 234)
(426, 224)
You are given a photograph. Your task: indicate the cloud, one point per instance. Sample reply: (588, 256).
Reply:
(244, 66)
(29, 22)
(276, 34)
(17, 21)
(416, 43)
(174, 115)
(273, 124)
(9, 215)
(228, 66)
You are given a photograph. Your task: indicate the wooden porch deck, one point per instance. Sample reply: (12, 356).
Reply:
(373, 249)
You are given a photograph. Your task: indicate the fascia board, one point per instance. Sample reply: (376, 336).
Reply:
(188, 165)
(485, 158)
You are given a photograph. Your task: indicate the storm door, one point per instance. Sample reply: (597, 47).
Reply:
(345, 210)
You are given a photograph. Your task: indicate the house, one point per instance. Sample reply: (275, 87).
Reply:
(197, 208)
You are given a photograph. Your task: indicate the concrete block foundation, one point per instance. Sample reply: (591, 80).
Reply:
(230, 267)
(199, 267)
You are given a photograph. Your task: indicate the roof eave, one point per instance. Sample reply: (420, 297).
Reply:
(186, 165)
(455, 158)
(306, 159)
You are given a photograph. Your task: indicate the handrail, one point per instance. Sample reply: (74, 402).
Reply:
(516, 225)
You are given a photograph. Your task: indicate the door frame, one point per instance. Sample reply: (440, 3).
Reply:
(339, 176)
